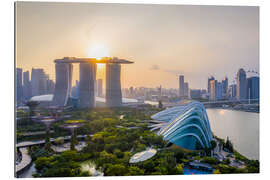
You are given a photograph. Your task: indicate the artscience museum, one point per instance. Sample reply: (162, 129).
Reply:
(185, 125)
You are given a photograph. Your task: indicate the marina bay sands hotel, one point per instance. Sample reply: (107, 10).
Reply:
(88, 68)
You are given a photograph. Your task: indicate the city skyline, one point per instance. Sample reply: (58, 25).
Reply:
(197, 41)
(230, 82)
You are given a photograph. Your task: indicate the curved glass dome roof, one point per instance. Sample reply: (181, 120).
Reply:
(186, 125)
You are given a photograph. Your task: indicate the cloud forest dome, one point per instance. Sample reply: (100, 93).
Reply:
(186, 125)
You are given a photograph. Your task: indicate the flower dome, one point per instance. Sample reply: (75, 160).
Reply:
(185, 125)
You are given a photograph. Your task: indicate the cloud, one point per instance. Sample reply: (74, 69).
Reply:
(154, 67)
(176, 72)
(189, 74)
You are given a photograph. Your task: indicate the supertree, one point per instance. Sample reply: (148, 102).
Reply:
(72, 125)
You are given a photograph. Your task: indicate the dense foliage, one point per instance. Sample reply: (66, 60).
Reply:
(114, 136)
(65, 164)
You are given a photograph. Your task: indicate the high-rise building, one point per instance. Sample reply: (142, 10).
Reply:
(213, 90)
(38, 82)
(253, 87)
(204, 94)
(77, 88)
(232, 91)
(26, 86)
(63, 79)
(241, 85)
(44, 84)
(195, 93)
(186, 90)
(208, 83)
(87, 85)
(159, 93)
(203, 91)
(225, 87)
(50, 86)
(181, 86)
(99, 88)
(219, 91)
(87, 81)
(19, 87)
(95, 87)
(113, 85)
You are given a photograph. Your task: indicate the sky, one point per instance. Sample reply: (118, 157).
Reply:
(164, 41)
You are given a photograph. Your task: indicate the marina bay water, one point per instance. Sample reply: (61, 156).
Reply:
(242, 128)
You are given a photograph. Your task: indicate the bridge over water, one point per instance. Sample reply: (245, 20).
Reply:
(220, 103)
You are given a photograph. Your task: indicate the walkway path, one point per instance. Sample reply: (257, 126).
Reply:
(32, 143)
(26, 160)
(36, 133)
(66, 146)
(218, 151)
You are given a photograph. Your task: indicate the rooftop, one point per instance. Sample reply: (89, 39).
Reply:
(113, 60)
(142, 156)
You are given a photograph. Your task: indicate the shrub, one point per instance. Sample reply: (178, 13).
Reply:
(180, 168)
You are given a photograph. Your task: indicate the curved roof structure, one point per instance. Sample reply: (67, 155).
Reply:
(185, 125)
(142, 156)
(46, 97)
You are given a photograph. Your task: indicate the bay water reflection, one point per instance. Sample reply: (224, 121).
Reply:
(242, 128)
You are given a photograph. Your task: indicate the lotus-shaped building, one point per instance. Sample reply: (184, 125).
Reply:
(185, 125)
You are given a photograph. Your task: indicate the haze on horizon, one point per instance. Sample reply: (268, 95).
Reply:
(163, 40)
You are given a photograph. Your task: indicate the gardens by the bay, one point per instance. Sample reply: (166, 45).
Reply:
(106, 139)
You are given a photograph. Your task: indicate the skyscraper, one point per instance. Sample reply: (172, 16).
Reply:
(181, 86)
(225, 87)
(88, 67)
(62, 90)
(159, 92)
(87, 85)
(213, 90)
(232, 91)
(77, 88)
(19, 87)
(50, 86)
(38, 82)
(186, 90)
(113, 85)
(241, 85)
(195, 93)
(99, 87)
(26, 86)
(219, 91)
(253, 89)
(208, 83)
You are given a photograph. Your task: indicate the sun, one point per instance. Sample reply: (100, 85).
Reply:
(98, 51)
(221, 112)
